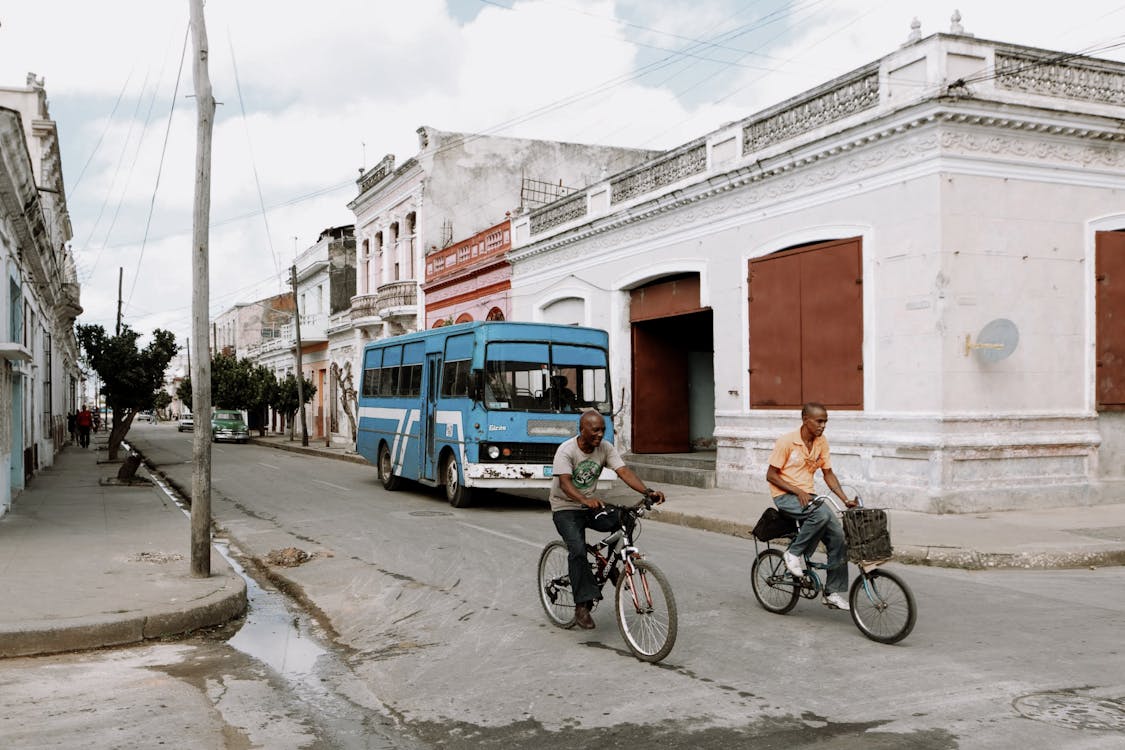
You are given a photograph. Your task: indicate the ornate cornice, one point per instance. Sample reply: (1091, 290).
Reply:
(1066, 79)
(836, 163)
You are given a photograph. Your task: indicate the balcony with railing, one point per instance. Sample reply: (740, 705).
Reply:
(314, 328)
(397, 299)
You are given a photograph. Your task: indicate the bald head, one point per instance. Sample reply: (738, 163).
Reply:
(591, 430)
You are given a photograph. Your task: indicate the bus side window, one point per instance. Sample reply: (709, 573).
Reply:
(371, 382)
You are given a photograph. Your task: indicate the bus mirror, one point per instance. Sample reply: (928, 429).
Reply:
(476, 385)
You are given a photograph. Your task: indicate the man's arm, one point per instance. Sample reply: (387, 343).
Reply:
(628, 477)
(570, 491)
(773, 476)
(834, 485)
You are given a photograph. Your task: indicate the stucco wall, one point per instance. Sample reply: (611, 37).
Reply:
(942, 256)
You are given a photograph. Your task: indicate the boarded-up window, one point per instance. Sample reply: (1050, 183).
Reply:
(806, 326)
(1109, 299)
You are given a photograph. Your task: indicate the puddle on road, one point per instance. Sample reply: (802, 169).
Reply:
(274, 632)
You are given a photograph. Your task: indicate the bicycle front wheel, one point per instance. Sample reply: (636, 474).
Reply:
(882, 606)
(646, 611)
(774, 587)
(554, 585)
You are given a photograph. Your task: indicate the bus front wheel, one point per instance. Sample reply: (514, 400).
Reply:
(458, 495)
(386, 469)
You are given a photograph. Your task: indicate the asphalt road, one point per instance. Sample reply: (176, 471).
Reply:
(432, 613)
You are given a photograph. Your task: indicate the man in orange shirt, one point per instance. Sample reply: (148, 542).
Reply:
(794, 461)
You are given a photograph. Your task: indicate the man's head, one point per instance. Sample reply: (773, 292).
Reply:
(559, 381)
(814, 418)
(591, 430)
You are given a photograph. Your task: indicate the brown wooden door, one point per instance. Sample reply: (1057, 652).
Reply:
(661, 421)
(775, 331)
(806, 326)
(832, 326)
(1109, 299)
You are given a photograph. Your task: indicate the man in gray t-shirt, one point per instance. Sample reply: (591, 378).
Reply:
(578, 465)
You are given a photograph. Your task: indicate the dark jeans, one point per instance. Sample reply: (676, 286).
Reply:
(572, 525)
(84, 436)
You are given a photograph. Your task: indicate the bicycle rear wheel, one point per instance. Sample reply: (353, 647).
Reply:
(646, 611)
(774, 587)
(554, 585)
(882, 606)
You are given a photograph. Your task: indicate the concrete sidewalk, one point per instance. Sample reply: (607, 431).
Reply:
(83, 565)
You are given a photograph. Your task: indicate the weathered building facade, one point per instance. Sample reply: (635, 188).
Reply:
(39, 375)
(457, 185)
(931, 245)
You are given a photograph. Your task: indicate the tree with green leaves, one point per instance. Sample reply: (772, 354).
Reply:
(287, 401)
(263, 390)
(163, 400)
(130, 376)
(231, 382)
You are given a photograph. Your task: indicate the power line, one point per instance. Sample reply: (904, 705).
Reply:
(160, 166)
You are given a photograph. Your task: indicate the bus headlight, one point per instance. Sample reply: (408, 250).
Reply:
(494, 452)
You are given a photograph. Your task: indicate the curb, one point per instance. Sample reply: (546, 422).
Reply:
(354, 458)
(35, 639)
(938, 557)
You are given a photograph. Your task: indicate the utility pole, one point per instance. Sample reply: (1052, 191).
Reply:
(200, 302)
(120, 276)
(300, 371)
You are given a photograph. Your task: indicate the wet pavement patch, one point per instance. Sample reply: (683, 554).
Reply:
(788, 733)
(1072, 710)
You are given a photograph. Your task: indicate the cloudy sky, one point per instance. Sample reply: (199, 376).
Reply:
(312, 92)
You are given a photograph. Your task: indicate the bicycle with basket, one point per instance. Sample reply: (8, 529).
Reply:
(882, 605)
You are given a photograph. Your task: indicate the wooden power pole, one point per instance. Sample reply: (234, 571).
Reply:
(200, 302)
(300, 366)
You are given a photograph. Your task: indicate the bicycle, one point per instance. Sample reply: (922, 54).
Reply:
(646, 609)
(882, 605)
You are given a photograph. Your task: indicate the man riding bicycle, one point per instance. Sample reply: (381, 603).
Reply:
(578, 465)
(794, 461)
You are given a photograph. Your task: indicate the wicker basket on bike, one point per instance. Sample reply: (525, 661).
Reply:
(867, 535)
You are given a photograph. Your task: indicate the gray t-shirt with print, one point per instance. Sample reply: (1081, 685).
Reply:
(583, 468)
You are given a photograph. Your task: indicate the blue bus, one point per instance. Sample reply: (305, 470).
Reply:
(481, 404)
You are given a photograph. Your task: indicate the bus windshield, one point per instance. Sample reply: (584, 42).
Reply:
(541, 377)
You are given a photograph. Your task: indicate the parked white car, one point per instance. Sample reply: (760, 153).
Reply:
(187, 424)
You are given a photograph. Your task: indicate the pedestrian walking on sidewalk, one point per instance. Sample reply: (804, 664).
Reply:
(84, 421)
(72, 426)
(793, 465)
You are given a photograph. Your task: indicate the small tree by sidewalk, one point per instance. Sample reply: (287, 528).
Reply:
(287, 402)
(130, 376)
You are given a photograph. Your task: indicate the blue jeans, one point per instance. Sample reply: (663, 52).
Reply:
(819, 525)
(572, 525)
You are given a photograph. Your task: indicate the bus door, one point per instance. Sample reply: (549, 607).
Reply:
(429, 419)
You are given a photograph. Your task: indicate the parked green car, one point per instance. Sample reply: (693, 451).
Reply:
(227, 424)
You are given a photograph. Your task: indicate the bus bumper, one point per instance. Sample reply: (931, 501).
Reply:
(516, 475)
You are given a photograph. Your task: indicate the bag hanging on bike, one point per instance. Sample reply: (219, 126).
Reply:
(773, 525)
(867, 535)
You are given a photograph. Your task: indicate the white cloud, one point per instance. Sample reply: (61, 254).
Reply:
(332, 85)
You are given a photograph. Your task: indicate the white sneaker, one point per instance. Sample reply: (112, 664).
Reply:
(794, 563)
(836, 601)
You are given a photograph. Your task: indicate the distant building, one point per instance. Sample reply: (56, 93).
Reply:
(471, 279)
(456, 186)
(39, 374)
(325, 282)
(933, 245)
